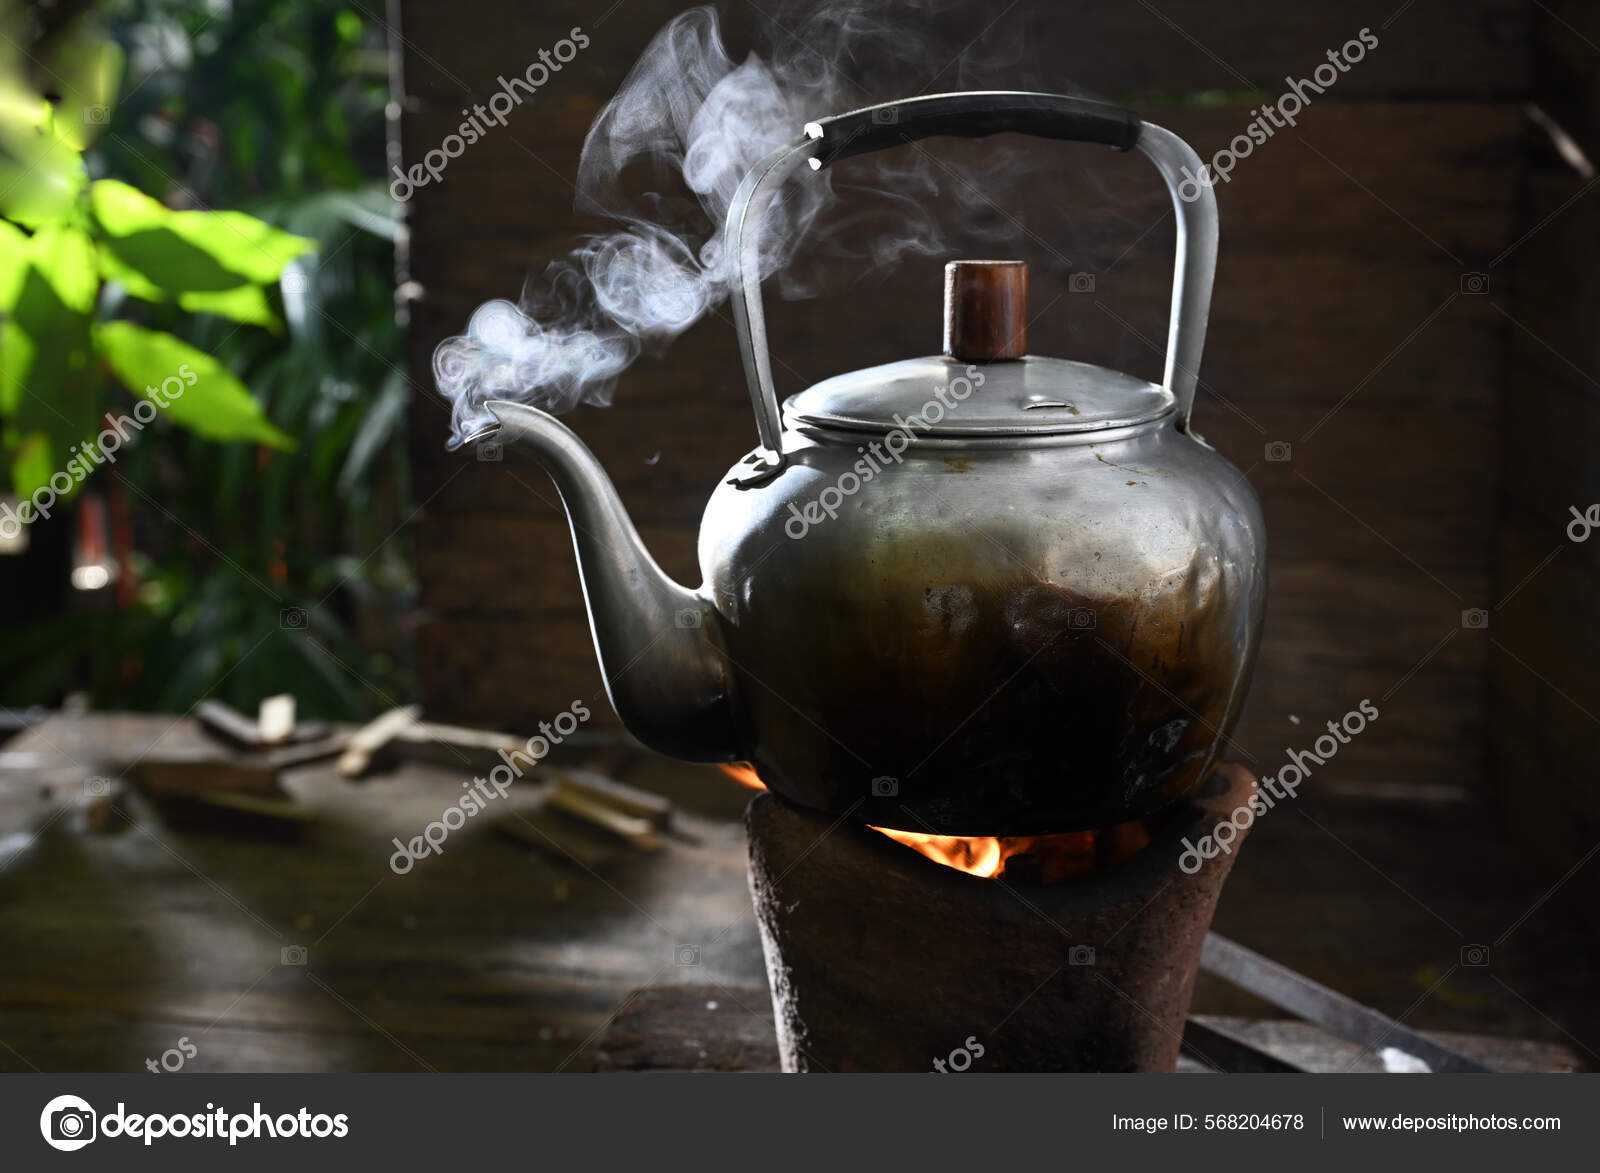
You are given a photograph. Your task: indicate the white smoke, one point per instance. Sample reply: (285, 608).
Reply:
(702, 121)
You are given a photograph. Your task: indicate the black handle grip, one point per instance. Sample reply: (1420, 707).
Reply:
(975, 114)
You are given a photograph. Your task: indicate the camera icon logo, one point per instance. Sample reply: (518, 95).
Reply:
(1475, 955)
(885, 787)
(686, 955)
(1280, 451)
(293, 282)
(1475, 617)
(1080, 955)
(688, 617)
(489, 451)
(1081, 618)
(1474, 283)
(292, 955)
(1080, 283)
(67, 1123)
(97, 115)
(293, 619)
(96, 787)
(886, 115)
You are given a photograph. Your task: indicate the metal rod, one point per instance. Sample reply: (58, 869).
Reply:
(1215, 1045)
(1329, 1009)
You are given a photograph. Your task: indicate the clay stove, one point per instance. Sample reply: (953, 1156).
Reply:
(1078, 953)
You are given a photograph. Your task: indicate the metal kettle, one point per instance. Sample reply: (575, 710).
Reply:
(968, 594)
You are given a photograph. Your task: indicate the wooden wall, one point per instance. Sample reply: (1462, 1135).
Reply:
(1543, 721)
(1340, 327)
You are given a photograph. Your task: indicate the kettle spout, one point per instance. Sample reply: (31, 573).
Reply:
(658, 642)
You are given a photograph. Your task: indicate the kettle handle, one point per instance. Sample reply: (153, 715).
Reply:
(974, 114)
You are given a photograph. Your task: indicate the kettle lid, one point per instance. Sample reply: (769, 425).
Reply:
(985, 384)
(941, 395)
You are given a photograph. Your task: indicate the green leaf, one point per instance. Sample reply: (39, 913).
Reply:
(17, 354)
(247, 304)
(250, 246)
(13, 264)
(203, 252)
(122, 209)
(155, 263)
(33, 464)
(40, 174)
(84, 66)
(201, 394)
(144, 253)
(114, 268)
(349, 26)
(65, 256)
(47, 383)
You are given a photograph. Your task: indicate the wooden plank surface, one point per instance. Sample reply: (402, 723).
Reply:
(711, 1028)
(494, 955)
(499, 956)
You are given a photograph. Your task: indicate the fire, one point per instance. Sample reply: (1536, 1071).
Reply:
(744, 774)
(1048, 857)
(982, 855)
(1044, 858)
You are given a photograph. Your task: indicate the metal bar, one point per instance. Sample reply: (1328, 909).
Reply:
(1216, 1046)
(1316, 1003)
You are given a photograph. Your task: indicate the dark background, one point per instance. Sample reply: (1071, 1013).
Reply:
(1438, 436)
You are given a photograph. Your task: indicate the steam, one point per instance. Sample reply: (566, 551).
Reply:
(701, 121)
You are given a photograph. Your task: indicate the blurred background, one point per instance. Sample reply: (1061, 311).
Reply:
(1401, 360)
(146, 590)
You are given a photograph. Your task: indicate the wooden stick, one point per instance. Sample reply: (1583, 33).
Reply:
(371, 737)
(655, 809)
(275, 719)
(198, 774)
(305, 752)
(228, 723)
(636, 831)
(453, 745)
(233, 727)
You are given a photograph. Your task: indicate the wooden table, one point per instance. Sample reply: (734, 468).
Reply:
(715, 1029)
(117, 944)
(492, 956)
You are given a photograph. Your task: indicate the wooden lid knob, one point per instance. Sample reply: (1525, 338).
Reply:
(985, 310)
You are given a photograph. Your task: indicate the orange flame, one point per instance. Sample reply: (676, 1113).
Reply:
(1056, 856)
(744, 774)
(982, 855)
